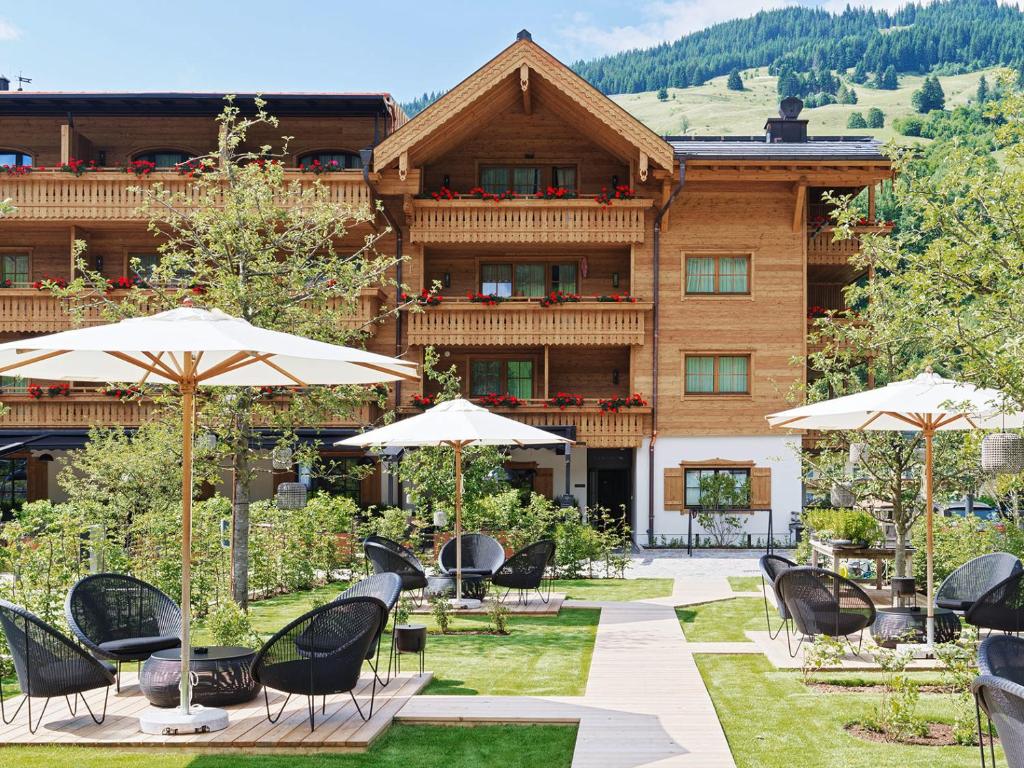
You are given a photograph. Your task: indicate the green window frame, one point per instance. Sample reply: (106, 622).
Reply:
(530, 280)
(519, 374)
(712, 274)
(521, 179)
(514, 377)
(16, 268)
(716, 375)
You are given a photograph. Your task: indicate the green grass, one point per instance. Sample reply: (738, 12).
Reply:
(613, 590)
(722, 621)
(798, 727)
(403, 746)
(745, 583)
(713, 109)
(270, 615)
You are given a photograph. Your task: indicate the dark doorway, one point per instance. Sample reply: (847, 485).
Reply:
(610, 482)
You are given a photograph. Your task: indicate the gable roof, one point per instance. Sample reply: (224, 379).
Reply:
(824, 148)
(488, 91)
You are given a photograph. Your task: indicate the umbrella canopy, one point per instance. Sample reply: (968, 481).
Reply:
(190, 347)
(927, 403)
(455, 423)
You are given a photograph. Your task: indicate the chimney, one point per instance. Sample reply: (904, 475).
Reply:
(5, 84)
(524, 34)
(787, 128)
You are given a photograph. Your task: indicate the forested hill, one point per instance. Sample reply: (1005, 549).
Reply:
(967, 33)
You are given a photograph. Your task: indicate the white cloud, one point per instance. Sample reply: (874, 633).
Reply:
(8, 31)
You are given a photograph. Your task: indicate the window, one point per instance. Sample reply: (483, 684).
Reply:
(13, 157)
(717, 274)
(14, 267)
(341, 479)
(529, 280)
(13, 483)
(693, 479)
(717, 375)
(523, 180)
(500, 376)
(496, 279)
(147, 262)
(341, 159)
(165, 158)
(13, 385)
(565, 177)
(563, 278)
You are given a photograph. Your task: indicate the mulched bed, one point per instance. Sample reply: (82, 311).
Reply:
(939, 735)
(872, 688)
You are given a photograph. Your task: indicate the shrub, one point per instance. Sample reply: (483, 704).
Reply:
(897, 712)
(403, 611)
(957, 540)
(850, 524)
(228, 624)
(909, 126)
(876, 118)
(497, 618)
(441, 610)
(959, 668)
(822, 652)
(856, 120)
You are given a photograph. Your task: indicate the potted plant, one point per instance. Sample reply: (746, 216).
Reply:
(409, 638)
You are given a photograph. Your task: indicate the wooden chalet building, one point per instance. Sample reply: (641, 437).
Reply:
(690, 264)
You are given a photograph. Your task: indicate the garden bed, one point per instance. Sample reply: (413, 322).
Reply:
(939, 735)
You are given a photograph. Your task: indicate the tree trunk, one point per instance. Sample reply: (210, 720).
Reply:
(240, 525)
(900, 564)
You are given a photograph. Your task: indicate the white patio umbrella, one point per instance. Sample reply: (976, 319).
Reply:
(927, 404)
(188, 348)
(456, 423)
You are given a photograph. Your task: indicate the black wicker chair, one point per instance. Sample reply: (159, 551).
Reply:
(121, 618)
(48, 664)
(321, 653)
(773, 566)
(1003, 702)
(527, 570)
(822, 602)
(1001, 608)
(386, 587)
(974, 578)
(388, 556)
(482, 555)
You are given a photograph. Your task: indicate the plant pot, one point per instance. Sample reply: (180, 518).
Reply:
(410, 638)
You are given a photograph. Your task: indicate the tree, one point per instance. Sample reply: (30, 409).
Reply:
(860, 73)
(248, 240)
(981, 96)
(735, 82)
(929, 96)
(856, 120)
(876, 118)
(721, 494)
(663, 94)
(846, 95)
(788, 85)
(888, 81)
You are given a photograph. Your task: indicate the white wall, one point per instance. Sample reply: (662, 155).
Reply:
(779, 453)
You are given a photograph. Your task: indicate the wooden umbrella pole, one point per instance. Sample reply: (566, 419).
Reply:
(928, 435)
(187, 419)
(458, 522)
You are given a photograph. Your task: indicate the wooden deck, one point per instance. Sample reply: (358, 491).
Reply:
(339, 730)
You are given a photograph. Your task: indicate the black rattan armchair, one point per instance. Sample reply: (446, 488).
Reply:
(527, 570)
(773, 566)
(482, 555)
(48, 664)
(822, 602)
(388, 556)
(121, 618)
(974, 578)
(386, 587)
(1003, 702)
(1001, 608)
(1002, 656)
(335, 641)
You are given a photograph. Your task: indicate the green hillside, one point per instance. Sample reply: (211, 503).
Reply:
(713, 109)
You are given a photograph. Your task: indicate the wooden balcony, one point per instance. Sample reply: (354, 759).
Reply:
(107, 195)
(527, 221)
(594, 427)
(27, 310)
(824, 251)
(518, 322)
(85, 408)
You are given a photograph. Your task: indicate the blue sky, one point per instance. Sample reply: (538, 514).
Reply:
(405, 47)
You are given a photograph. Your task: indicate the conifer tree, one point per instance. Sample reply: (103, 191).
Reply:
(735, 82)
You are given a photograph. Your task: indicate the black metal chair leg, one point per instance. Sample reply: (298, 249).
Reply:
(103, 716)
(3, 715)
(793, 652)
(266, 699)
(981, 736)
(117, 677)
(311, 708)
(72, 709)
(33, 728)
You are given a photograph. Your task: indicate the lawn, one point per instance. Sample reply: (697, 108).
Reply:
(722, 621)
(613, 590)
(798, 727)
(745, 583)
(403, 746)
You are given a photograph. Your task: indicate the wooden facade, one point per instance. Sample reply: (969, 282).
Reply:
(597, 201)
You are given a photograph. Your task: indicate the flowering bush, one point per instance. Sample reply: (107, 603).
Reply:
(77, 167)
(563, 400)
(815, 311)
(423, 401)
(497, 197)
(6, 283)
(16, 170)
(444, 193)
(614, 404)
(36, 392)
(50, 282)
(490, 299)
(315, 166)
(269, 391)
(494, 400)
(555, 193)
(618, 298)
(140, 167)
(122, 283)
(621, 192)
(559, 297)
(194, 167)
(425, 298)
(124, 393)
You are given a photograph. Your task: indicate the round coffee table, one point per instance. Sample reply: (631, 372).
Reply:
(474, 586)
(894, 626)
(220, 676)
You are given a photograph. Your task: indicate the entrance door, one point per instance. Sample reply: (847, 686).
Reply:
(610, 483)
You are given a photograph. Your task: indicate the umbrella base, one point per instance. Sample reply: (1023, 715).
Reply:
(465, 604)
(171, 722)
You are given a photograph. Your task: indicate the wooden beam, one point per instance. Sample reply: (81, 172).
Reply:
(403, 165)
(546, 368)
(801, 206)
(642, 168)
(67, 143)
(524, 84)
(871, 203)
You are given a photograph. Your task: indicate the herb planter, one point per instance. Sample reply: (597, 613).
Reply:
(411, 638)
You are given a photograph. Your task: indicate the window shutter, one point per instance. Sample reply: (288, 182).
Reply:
(761, 488)
(369, 488)
(673, 488)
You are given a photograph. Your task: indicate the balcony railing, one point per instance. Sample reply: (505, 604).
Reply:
(27, 310)
(107, 195)
(594, 427)
(586, 323)
(527, 221)
(824, 250)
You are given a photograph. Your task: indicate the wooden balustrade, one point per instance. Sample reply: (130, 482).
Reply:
(27, 310)
(824, 250)
(527, 221)
(586, 323)
(109, 195)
